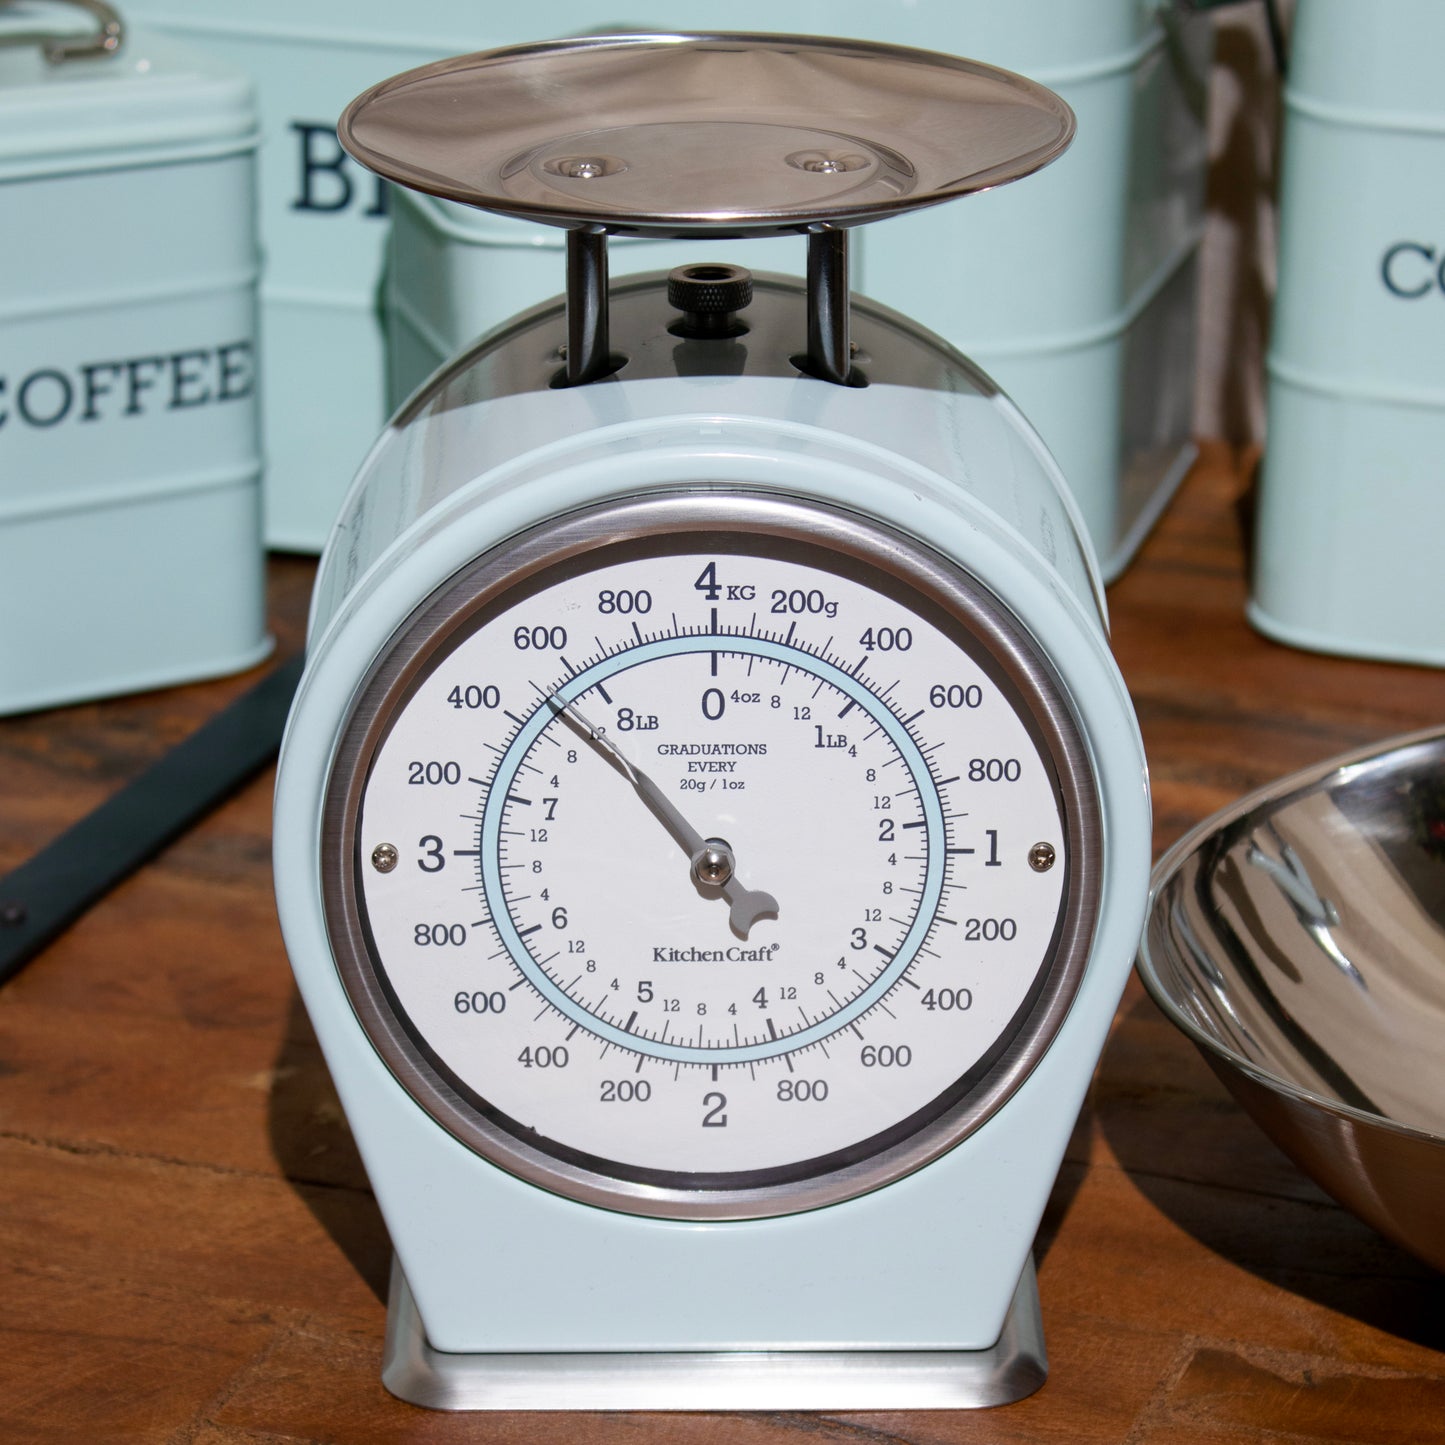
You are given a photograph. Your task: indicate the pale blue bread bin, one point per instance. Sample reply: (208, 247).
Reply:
(1077, 292)
(1352, 500)
(130, 530)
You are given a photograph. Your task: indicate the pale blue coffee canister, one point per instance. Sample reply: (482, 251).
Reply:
(130, 510)
(1352, 496)
(1078, 297)
(1077, 294)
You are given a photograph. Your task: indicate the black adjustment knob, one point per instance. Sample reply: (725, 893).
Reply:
(709, 295)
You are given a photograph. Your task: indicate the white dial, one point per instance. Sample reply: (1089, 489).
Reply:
(711, 871)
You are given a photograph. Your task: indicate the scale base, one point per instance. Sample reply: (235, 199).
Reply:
(721, 1380)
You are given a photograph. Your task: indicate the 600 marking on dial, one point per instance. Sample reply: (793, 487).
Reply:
(710, 864)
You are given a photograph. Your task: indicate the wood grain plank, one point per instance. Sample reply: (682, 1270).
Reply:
(1224, 1394)
(87, 1357)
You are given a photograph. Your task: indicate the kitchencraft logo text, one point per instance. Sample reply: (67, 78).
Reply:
(716, 955)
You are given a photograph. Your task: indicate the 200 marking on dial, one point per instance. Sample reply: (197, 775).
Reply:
(710, 864)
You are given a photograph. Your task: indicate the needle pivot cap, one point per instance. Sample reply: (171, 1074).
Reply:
(713, 863)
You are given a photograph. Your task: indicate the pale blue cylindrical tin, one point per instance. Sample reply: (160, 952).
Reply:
(1352, 499)
(1078, 295)
(130, 508)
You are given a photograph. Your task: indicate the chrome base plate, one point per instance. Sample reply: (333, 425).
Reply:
(724, 1380)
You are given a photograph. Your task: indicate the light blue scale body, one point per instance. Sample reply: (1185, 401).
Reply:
(929, 1262)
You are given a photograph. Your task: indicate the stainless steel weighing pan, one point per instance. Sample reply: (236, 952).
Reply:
(698, 135)
(1298, 938)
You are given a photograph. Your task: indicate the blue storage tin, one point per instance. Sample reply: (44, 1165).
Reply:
(130, 510)
(1352, 496)
(1078, 293)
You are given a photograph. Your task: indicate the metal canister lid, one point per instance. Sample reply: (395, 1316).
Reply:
(71, 100)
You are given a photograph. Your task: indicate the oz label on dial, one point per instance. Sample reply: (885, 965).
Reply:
(711, 864)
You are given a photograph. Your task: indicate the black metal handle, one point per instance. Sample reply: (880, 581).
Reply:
(44, 896)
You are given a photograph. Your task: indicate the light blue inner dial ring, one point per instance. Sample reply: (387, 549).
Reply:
(582, 682)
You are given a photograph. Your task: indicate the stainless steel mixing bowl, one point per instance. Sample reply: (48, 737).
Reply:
(1298, 937)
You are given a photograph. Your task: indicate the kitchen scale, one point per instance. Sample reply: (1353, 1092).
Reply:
(712, 834)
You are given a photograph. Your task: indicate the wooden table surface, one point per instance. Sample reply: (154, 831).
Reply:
(190, 1253)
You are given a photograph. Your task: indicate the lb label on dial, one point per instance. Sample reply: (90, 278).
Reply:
(722, 867)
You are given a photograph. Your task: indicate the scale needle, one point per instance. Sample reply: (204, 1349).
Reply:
(711, 859)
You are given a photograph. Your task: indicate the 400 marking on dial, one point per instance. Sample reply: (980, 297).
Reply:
(704, 864)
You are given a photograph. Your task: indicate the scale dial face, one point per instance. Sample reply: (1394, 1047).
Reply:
(711, 855)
